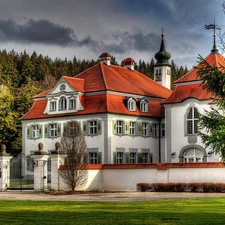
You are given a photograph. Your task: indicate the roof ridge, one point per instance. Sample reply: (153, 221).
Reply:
(103, 76)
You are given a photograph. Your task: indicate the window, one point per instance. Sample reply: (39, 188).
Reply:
(119, 158)
(155, 129)
(119, 127)
(192, 121)
(52, 130)
(35, 131)
(193, 155)
(93, 158)
(163, 130)
(72, 104)
(144, 106)
(53, 106)
(144, 129)
(72, 128)
(133, 157)
(93, 129)
(62, 103)
(132, 128)
(131, 105)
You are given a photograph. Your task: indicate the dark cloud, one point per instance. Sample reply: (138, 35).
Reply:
(45, 32)
(41, 31)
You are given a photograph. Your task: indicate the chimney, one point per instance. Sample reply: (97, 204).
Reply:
(129, 63)
(105, 58)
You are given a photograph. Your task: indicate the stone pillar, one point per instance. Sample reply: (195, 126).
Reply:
(4, 168)
(40, 169)
(55, 163)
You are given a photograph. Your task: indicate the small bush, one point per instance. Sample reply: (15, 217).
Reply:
(182, 187)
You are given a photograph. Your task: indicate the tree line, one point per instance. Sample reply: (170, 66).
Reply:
(23, 76)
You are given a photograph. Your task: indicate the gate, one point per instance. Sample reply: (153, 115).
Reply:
(21, 173)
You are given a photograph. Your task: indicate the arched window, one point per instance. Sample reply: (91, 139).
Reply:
(144, 106)
(131, 104)
(193, 155)
(62, 103)
(192, 121)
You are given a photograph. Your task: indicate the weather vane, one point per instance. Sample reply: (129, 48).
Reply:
(214, 27)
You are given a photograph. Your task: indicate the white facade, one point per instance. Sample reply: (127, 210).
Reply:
(106, 142)
(178, 140)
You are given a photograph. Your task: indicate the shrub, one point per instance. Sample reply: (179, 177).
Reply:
(181, 187)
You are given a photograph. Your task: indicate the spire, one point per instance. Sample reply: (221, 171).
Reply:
(214, 27)
(162, 56)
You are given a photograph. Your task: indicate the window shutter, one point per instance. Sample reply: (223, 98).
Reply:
(126, 127)
(126, 157)
(150, 157)
(139, 157)
(85, 127)
(64, 127)
(46, 131)
(28, 132)
(139, 129)
(99, 155)
(114, 157)
(114, 126)
(150, 129)
(40, 130)
(99, 126)
(58, 129)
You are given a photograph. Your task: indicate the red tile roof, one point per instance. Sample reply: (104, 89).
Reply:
(128, 60)
(75, 83)
(120, 79)
(188, 91)
(213, 59)
(104, 103)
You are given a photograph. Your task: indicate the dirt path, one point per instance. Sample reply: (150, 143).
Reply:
(119, 196)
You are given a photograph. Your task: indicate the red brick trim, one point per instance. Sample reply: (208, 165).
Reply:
(158, 166)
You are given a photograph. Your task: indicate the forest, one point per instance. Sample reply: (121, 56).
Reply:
(23, 76)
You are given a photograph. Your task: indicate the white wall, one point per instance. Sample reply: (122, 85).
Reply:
(125, 177)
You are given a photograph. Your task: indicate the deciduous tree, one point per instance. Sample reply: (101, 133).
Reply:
(74, 156)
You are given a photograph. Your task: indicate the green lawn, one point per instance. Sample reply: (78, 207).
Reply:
(190, 212)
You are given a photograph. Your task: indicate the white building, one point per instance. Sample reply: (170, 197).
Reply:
(126, 117)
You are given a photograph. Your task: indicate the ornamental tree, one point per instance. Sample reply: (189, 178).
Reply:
(73, 156)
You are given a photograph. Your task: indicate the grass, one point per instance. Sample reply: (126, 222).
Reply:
(191, 212)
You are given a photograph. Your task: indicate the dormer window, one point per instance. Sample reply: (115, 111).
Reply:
(131, 104)
(62, 103)
(72, 103)
(144, 105)
(53, 106)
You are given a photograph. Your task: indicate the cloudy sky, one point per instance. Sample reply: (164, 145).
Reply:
(123, 28)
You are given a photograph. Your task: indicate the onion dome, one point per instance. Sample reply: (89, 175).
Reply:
(162, 56)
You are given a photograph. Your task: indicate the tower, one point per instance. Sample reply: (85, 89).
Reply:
(162, 68)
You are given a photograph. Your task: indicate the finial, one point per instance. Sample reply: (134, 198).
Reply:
(162, 32)
(214, 27)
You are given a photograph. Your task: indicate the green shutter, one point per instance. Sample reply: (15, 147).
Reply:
(99, 155)
(150, 157)
(65, 127)
(46, 131)
(114, 157)
(139, 128)
(126, 157)
(139, 157)
(40, 130)
(114, 126)
(126, 127)
(150, 129)
(85, 127)
(99, 126)
(28, 132)
(58, 129)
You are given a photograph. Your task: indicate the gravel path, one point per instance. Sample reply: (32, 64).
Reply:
(118, 196)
